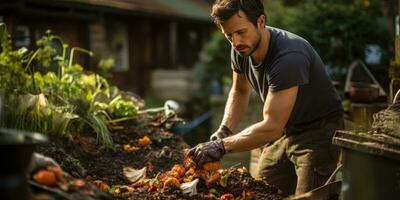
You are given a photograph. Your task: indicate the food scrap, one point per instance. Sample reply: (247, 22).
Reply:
(49, 176)
(144, 141)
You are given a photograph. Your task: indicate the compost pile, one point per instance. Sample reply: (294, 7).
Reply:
(387, 121)
(138, 144)
(156, 158)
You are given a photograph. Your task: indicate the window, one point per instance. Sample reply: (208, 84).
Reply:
(22, 36)
(119, 46)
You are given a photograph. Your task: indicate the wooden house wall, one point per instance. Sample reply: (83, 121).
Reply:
(150, 43)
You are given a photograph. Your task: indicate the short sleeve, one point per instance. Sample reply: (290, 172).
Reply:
(234, 62)
(292, 69)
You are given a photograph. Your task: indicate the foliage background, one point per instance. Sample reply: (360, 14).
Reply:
(340, 31)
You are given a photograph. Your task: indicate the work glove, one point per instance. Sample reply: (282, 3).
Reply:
(207, 152)
(221, 133)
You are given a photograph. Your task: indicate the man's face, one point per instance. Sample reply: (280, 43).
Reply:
(242, 34)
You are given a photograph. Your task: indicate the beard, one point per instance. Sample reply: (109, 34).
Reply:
(252, 48)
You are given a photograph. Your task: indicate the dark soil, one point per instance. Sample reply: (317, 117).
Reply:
(81, 158)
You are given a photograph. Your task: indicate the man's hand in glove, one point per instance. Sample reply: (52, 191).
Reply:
(207, 152)
(221, 133)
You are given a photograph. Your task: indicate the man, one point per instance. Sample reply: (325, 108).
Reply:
(301, 107)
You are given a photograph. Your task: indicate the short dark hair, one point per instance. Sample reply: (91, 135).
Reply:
(222, 10)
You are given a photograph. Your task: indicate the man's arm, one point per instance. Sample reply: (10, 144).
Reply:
(277, 109)
(237, 102)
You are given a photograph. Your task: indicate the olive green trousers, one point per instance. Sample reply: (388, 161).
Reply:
(301, 159)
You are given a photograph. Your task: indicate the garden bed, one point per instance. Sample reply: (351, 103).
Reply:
(82, 159)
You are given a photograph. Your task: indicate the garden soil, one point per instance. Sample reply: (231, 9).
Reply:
(81, 158)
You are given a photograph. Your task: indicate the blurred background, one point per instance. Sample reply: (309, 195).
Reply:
(170, 49)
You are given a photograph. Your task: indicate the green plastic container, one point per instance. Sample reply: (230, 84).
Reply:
(371, 166)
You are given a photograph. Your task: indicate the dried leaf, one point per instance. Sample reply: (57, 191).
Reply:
(134, 175)
(190, 188)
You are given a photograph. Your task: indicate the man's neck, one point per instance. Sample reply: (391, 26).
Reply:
(259, 55)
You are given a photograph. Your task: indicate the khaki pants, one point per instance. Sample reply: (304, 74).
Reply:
(301, 160)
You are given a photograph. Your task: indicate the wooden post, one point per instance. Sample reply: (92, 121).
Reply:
(395, 64)
(397, 40)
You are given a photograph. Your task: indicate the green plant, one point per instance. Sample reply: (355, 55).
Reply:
(339, 30)
(12, 75)
(62, 102)
(214, 63)
(34, 113)
(122, 108)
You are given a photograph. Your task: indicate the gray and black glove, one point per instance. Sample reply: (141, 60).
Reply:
(207, 152)
(221, 133)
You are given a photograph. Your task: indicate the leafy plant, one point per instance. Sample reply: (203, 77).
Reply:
(122, 108)
(340, 30)
(12, 75)
(214, 63)
(62, 102)
(34, 113)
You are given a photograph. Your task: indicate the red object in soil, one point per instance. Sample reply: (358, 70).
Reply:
(79, 183)
(227, 197)
(145, 140)
(45, 177)
(212, 166)
(179, 169)
(171, 181)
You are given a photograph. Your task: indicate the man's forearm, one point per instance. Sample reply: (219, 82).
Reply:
(252, 137)
(236, 106)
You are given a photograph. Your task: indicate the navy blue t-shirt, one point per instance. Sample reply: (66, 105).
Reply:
(292, 61)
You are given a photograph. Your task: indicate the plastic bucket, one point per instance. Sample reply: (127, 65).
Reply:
(371, 166)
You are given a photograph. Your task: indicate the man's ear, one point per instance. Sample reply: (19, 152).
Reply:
(261, 21)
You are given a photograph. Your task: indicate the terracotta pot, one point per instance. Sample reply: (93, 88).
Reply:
(363, 92)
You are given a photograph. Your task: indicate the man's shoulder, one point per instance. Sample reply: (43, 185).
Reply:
(288, 41)
(284, 34)
(285, 43)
